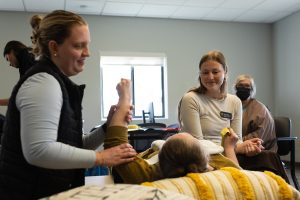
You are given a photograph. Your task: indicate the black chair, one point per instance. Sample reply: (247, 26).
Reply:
(286, 143)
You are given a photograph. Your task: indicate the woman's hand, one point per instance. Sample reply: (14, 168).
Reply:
(112, 111)
(116, 155)
(250, 147)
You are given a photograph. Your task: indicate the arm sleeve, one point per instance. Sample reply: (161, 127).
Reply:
(236, 122)
(261, 124)
(255, 128)
(39, 101)
(94, 139)
(189, 116)
(134, 172)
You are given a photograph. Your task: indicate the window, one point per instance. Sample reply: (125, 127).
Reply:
(148, 76)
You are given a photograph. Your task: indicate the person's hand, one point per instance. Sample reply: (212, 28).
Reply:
(230, 139)
(251, 147)
(129, 114)
(124, 88)
(229, 143)
(257, 143)
(110, 114)
(112, 111)
(116, 155)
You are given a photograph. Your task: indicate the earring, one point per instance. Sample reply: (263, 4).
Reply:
(54, 54)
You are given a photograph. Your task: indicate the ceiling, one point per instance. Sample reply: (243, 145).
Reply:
(258, 11)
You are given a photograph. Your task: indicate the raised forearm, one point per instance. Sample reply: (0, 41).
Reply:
(230, 153)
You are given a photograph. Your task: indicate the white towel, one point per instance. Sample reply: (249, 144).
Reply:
(208, 146)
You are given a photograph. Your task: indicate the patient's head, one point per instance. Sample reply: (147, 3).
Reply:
(182, 154)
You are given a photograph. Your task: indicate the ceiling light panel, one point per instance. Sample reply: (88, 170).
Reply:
(189, 12)
(90, 7)
(43, 5)
(121, 9)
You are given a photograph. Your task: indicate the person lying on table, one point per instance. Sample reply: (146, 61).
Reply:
(180, 154)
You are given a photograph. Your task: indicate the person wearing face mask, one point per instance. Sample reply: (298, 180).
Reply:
(257, 123)
(257, 119)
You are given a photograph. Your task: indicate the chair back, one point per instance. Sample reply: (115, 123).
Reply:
(286, 143)
(283, 126)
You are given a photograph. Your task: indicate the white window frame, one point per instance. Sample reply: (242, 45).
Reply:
(134, 59)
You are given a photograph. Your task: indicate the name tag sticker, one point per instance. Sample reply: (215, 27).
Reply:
(226, 115)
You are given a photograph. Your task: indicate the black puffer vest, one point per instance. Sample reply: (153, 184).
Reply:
(19, 179)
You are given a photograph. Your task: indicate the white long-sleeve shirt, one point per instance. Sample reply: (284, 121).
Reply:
(201, 116)
(39, 101)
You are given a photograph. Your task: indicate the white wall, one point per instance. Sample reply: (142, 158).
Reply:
(287, 71)
(247, 47)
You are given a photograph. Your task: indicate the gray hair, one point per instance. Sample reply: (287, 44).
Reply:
(252, 83)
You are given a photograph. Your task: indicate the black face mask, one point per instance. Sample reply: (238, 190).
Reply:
(243, 93)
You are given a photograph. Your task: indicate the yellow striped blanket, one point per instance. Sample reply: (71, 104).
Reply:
(230, 183)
